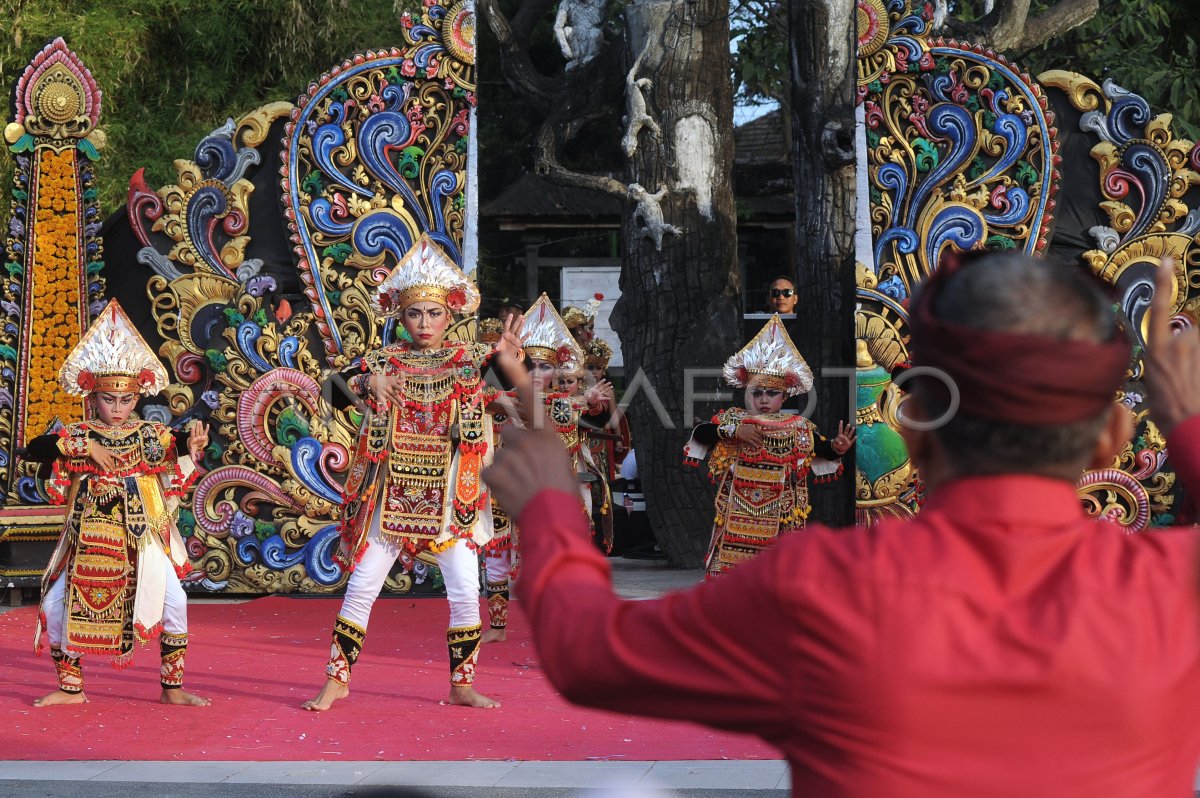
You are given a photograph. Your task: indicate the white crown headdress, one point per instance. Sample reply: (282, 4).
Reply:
(547, 337)
(770, 354)
(112, 356)
(425, 274)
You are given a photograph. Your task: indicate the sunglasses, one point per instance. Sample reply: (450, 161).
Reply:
(778, 292)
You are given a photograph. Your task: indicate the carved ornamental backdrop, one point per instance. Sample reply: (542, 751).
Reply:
(964, 149)
(370, 157)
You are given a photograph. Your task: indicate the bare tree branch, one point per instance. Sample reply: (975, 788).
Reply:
(1008, 25)
(526, 80)
(1057, 20)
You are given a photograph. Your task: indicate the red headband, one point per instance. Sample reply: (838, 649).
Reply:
(1012, 377)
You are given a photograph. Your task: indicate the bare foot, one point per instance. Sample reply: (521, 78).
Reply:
(330, 691)
(467, 696)
(182, 698)
(60, 697)
(494, 635)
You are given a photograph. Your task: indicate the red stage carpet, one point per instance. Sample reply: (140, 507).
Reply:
(259, 660)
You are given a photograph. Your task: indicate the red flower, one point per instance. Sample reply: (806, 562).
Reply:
(86, 380)
(385, 301)
(146, 378)
(792, 379)
(456, 300)
(743, 376)
(564, 354)
(599, 297)
(408, 69)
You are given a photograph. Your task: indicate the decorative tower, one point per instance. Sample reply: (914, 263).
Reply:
(50, 285)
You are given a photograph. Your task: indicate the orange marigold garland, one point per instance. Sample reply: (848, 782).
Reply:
(54, 287)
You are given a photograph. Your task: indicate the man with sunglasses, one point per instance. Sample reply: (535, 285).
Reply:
(781, 295)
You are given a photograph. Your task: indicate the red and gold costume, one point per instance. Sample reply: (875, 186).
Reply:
(429, 487)
(113, 578)
(762, 491)
(415, 483)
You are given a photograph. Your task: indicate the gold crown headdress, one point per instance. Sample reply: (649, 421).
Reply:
(772, 356)
(597, 352)
(577, 317)
(547, 337)
(111, 356)
(425, 274)
(490, 330)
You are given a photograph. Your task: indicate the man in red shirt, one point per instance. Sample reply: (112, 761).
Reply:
(1000, 644)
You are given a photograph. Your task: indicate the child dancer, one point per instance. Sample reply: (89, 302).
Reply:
(113, 579)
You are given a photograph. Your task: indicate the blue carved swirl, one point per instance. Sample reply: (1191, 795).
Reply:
(382, 232)
(248, 334)
(379, 133)
(206, 204)
(954, 224)
(217, 159)
(27, 490)
(1010, 128)
(955, 124)
(1153, 177)
(891, 176)
(306, 456)
(325, 140)
(1018, 207)
(443, 183)
(317, 554)
(322, 216)
(1127, 117)
(289, 347)
(906, 241)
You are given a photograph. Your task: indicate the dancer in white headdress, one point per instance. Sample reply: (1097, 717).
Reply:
(113, 579)
(761, 458)
(414, 484)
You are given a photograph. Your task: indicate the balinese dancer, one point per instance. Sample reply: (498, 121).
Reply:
(113, 579)
(582, 321)
(550, 351)
(557, 363)
(500, 562)
(414, 482)
(593, 409)
(761, 458)
(607, 434)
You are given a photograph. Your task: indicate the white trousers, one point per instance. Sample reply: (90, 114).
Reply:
(498, 565)
(54, 605)
(460, 571)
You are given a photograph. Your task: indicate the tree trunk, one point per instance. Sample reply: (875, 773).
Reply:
(823, 85)
(678, 309)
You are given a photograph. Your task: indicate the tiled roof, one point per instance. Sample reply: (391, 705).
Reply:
(760, 141)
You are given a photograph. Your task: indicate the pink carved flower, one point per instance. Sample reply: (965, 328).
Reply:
(408, 69)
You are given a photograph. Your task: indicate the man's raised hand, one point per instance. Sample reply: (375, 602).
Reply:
(1172, 362)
